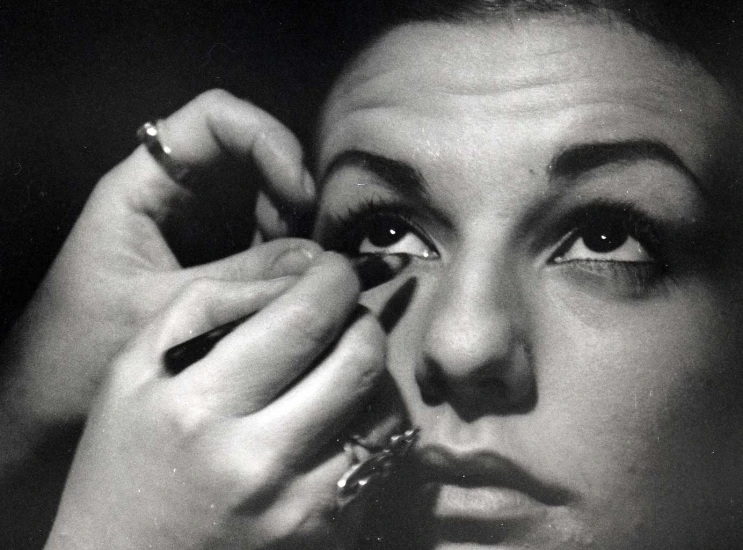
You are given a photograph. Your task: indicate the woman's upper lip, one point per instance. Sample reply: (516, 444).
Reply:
(439, 464)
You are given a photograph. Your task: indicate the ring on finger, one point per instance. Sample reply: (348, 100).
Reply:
(363, 472)
(149, 135)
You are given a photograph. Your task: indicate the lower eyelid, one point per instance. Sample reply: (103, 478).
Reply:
(632, 276)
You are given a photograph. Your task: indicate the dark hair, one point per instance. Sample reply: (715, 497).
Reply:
(711, 31)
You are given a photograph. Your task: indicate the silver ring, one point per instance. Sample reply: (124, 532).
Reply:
(376, 466)
(149, 135)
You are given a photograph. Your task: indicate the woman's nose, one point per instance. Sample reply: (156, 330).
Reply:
(475, 348)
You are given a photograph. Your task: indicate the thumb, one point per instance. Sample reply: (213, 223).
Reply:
(264, 261)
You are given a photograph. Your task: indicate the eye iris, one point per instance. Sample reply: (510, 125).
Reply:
(607, 238)
(386, 232)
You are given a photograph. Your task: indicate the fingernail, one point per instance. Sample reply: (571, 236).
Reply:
(308, 183)
(294, 261)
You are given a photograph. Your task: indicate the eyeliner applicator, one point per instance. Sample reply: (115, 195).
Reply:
(373, 269)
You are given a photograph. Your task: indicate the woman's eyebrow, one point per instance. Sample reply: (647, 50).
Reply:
(400, 177)
(582, 158)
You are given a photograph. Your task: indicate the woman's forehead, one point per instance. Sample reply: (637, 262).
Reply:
(464, 74)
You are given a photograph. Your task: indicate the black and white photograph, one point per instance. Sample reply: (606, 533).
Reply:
(372, 275)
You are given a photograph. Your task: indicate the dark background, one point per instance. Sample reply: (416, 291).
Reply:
(76, 81)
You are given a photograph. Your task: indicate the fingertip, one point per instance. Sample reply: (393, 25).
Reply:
(296, 260)
(280, 158)
(308, 184)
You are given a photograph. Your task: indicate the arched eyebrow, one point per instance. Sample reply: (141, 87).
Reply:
(583, 158)
(569, 164)
(398, 176)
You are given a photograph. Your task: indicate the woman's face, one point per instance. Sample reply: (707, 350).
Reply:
(571, 348)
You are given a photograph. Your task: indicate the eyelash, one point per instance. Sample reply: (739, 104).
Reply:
(349, 230)
(345, 233)
(630, 278)
(636, 224)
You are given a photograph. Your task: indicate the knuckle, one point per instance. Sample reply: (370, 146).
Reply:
(198, 291)
(213, 98)
(182, 416)
(260, 483)
(262, 138)
(270, 132)
(263, 473)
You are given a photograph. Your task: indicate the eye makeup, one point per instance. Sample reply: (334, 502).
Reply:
(624, 233)
(605, 229)
(615, 248)
(380, 225)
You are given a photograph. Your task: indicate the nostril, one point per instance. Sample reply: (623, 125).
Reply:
(496, 389)
(508, 398)
(500, 389)
(432, 385)
(433, 395)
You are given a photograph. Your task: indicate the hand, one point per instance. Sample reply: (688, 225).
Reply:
(116, 269)
(241, 449)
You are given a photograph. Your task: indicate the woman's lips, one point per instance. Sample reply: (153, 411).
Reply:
(483, 503)
(483, 486)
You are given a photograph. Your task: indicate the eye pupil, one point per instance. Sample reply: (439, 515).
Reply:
(386, 232)
(606, 238)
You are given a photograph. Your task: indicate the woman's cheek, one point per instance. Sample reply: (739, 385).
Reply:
(647, 399)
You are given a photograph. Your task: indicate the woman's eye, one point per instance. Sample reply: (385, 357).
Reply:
(609, 240)
(393, 235)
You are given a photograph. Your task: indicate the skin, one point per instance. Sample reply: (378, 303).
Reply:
(621, 397)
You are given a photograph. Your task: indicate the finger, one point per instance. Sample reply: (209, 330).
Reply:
(274, 259)
(316, 409)
(268, 218)
(252, 365)
(303, 511)
(212, 128)
(203, 305)
(217, 123)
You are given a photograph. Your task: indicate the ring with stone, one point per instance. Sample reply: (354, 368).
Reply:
(364, 471)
